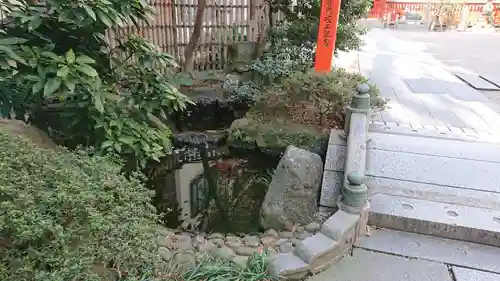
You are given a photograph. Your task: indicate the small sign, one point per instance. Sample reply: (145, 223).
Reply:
(327, 33)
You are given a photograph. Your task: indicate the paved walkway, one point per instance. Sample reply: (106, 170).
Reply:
(421, 92)
(420, 180)
(399, 256)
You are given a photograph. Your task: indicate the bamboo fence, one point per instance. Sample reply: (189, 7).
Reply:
(225, 22)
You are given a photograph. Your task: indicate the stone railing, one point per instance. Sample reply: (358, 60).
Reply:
(338, 233)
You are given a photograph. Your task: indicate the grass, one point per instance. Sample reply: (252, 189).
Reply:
(211, 269)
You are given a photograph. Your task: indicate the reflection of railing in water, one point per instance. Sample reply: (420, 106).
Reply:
(178, 157)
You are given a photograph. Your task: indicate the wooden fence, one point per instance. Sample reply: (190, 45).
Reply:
(225, 22)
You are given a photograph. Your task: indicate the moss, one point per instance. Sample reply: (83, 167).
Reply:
(277, 134)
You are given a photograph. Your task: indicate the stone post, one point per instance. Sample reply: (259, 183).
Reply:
(354, 193)
(360, 103)
(354, 200)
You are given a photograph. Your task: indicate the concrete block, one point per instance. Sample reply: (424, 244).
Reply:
(437, 249)
(465, 274)
(370, 266)
(339, 225)
(288, 266)
(435, 218)
(318, 251)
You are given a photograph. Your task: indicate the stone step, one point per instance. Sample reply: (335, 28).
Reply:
(439, 219)
(439, 193)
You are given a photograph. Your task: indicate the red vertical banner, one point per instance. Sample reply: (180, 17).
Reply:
(327, 33)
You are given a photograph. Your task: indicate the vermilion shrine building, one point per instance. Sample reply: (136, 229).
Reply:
(473, 13)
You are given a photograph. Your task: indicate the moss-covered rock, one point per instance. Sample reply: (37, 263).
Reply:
(251, 133)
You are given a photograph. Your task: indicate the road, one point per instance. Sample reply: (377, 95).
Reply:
(474, 53)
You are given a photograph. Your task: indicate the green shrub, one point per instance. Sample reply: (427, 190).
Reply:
(67, 216)
(115, 95)
(300, 110)
(313, 98)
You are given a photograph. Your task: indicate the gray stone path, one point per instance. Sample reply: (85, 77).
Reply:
(398, 256)
(425, 184)
(421, 92)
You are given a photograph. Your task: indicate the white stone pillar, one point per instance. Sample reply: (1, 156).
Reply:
(183, 178)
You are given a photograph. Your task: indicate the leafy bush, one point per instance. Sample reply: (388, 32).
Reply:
(67, 216)
(299, 111)
(302, 21)
(115, 98)
(312, 98)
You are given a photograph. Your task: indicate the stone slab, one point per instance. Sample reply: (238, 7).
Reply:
(330, 188)
(338, 226)
(335, 156)
(418, 85)
(336, 138)
(443, 250)
(465, 274)
(431, 192)
(495, 80)
(434, 218)
(461, 173)
(436, 147)
(287, 265)
(313, 248)
(370, 266)
(409, 131)
(477, 82)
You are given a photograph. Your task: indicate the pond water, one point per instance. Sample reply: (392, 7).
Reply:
(226, 199)
(225, 192)
(233, 205)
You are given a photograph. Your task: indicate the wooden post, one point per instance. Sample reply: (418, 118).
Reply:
(327, 34)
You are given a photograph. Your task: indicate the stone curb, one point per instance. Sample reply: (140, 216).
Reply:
(318, 252)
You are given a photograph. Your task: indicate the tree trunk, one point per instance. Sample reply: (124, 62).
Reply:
(195, 37)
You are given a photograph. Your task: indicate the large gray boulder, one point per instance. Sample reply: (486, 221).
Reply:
(292, 196)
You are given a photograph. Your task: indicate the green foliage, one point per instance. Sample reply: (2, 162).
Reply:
(274, 132)
(116, 99)
(312, 98)
(325, 94)
(302, 21)
(279, 61)
(210, 269)
(299, 110)
(67, 216)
